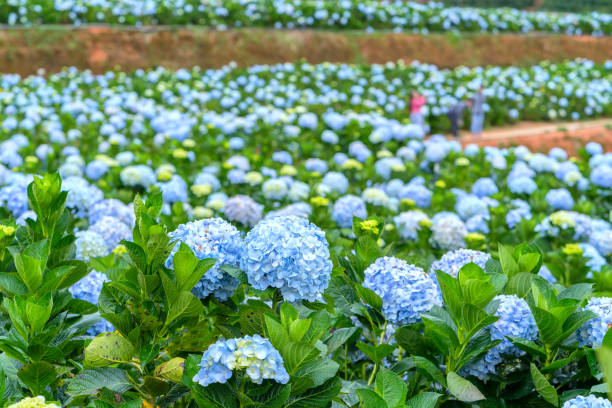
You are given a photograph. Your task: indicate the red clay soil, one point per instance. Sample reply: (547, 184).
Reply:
(25, 50)
(543, 137)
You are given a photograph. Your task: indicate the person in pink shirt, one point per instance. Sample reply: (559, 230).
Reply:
(417, 101)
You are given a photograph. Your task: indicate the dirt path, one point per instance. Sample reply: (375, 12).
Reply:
(542, 137)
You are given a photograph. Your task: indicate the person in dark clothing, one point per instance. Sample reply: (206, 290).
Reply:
(455, 115)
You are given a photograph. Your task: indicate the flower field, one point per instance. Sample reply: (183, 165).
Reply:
(344, 14)
(283, 236)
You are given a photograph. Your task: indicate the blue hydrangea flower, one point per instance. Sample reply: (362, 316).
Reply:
(406, 290)
(484, 187)
(602, 241)
(89, 245)
(336, 182)
(566, 168)
(347, 207)
(545, 273)
(297, 210)
(452, 262)
(243, 209)
(360, 151)
(138, 175)
(211, 238)
(253, 353)
(591, 333)
(174, 190)
(515, 319)
(448, 231)
(96, 169)
(290, 254)
(275, 189)
(88, 289)
(81, 195)
(594, 148)
(408, 223)
(601, 176)
(417, 193)
(112, 230)
(595, 261)
(590, 401)
(15, 196)
(435, 152)
(521, 185)
(471, 205)
(560, 199)
(112, 208)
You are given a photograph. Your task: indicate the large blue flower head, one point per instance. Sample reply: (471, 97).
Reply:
(515, 319)
(89, 245)
(448, 231)
(602, 241)
(211, 238)
(560, 199)
(112, 230)
(406, 290)
(81, 195)
(112, 208)
(288, 253)
(15, 196)
(469, 205)
(522, 185)
(435, 152)
(96, 169)
(334, 181)
(89, 289)
(452, 262)
(601, 176)
(243, 209)
(174, 190)
(138, 175)
(417, 193)
(347, 207)
(591, 333)
(253, 353)
(409, 223)
(590, 401)
(484, 187)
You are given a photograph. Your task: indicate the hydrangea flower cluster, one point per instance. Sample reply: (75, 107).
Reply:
(112, 230)
(590, 401)
(406, 290)
(89, 244)
(515, 319)
(452, 262)
(347, 207)
(288, 253)
(591, 333)
(253, 353)
(33, 402)
(211, 238)
(243, 209)
(448, 231)
(409, 223)
(89, 289)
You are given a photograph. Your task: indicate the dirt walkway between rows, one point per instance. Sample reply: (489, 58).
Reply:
(543, 136)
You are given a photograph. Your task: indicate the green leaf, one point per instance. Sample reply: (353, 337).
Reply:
(296, 354)
(604, 356)
(376, 353)
(185, 305)
(339, 337)
(533, 349)
(519, 284)
(318, 397)
(475, 319)
(37, 376)
(391, 387)
(451, 293)
(30, 270)
(278, 335)
(10, 284)
(477, 292)
(548, 325)
(39, 312)
(508, 263)
(89, 382)
(530, 262)
(370, 297)
(370, 399)
(411, 340)
(298, 329)
(367, 248)
(234, 272)
(429, 369)
(106, 349)
(317, 371)
(462, 389)
(543, 387)
(574, 322)
(424, 400)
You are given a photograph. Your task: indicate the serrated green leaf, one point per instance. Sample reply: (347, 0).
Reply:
(543, 387)
(106, 349)
(462, 389)
(391, 387)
